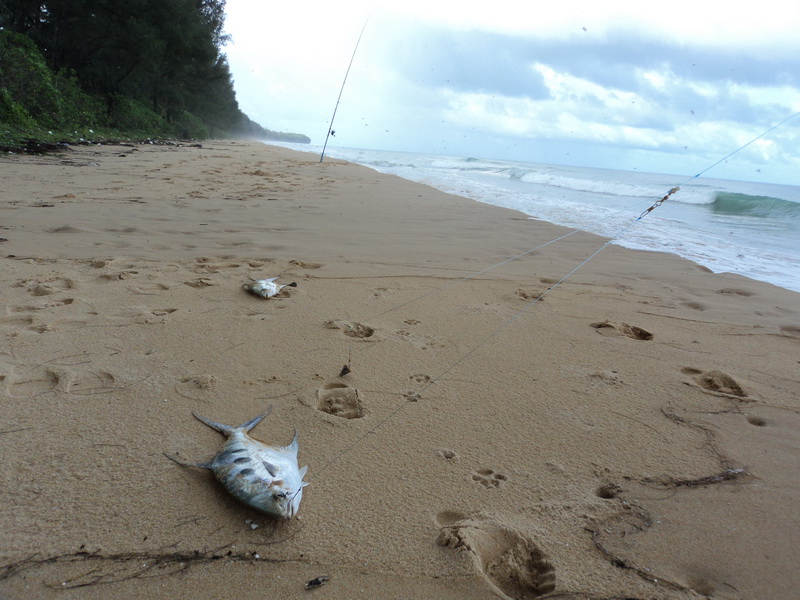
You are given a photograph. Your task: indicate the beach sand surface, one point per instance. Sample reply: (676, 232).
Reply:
(630, 432)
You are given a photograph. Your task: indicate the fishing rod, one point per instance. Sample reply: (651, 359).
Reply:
(331, 132)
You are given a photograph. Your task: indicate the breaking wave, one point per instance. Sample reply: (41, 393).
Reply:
(733, 204)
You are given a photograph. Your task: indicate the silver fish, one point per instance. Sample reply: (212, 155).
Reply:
(261, 476)
(266, 288)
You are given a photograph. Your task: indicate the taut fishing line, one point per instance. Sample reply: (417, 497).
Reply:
(586, 227)
(494, 333)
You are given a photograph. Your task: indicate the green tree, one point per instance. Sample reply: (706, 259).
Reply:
(131, 55)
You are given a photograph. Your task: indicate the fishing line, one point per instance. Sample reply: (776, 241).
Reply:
(503, 262)
(335, 108)
(755, 139)
(655, 205)
(416, 396)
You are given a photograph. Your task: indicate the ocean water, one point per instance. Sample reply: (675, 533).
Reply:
(752, 229)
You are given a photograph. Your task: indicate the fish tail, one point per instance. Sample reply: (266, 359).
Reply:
(187, 464)
(254, 421)
(225, 429)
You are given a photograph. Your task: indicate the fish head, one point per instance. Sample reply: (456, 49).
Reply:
(284, 501)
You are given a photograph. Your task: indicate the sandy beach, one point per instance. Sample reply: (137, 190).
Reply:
(632, 432)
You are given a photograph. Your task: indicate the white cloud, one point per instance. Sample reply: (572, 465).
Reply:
(648, 80)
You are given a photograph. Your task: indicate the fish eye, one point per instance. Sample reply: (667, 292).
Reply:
(279, 495)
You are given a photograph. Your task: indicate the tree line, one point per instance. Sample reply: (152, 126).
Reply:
(127, 65)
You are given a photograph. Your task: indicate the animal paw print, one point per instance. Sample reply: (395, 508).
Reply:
(488, 478)
(340, 400)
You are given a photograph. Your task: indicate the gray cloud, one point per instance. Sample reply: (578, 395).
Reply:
(502, 64)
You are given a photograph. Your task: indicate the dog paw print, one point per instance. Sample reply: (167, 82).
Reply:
(488, 478)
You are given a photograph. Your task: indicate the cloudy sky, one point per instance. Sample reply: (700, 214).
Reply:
(664, 87)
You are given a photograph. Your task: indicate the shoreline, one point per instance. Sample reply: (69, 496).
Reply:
(451, 179)
(553, 442)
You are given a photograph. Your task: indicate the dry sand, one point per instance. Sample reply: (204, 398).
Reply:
(633, 434)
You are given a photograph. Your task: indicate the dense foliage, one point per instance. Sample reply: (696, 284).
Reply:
(149, 66)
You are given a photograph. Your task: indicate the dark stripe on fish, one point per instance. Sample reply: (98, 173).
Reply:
(227, 455)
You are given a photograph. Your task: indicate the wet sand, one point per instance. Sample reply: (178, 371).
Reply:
(632, 432)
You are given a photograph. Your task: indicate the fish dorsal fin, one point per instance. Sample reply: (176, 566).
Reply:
(294, 446)
(303, 474)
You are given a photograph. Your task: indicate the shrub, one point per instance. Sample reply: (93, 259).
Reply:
(27, 79)
(128, 114)
(12, 114)
(189, 127)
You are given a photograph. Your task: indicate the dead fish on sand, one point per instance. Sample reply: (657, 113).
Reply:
(261, 476)
(266, 288)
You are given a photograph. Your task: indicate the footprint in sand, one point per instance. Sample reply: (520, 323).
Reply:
(488, 478)
(513, 565)
(421, 341)
(695, 305)
(305, 265)
(14, 323)
(614, 329)
(34, 382)
(47, 287)
(529, 294)
(735, 292)
(196, 387)
(148, 289)
(610, 377)
(340, 400)
(714, 382)
(354, 330)
(86, 383)
(200, 282)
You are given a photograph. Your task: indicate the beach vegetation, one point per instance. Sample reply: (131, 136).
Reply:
(104, 69)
